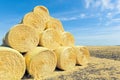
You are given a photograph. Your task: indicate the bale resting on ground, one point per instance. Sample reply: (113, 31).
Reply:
(12, 64)
(66, 58)
(40, 62)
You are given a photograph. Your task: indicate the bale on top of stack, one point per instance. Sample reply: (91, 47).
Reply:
(37, 18)
(43, 39)
(43, 12)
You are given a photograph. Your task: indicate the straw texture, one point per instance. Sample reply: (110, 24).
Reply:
(12, 64)
(22, 38)
(40, 62)
(83, 55)
(67, 39)
(33, 20)
(66, 58)
(43, 12)
(54, 24)
(50, 39)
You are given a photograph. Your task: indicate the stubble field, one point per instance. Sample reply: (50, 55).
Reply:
(109, 52)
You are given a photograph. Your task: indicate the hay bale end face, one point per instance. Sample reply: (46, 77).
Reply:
(12, 64)
(41, 9)
(42, 12)
(40, 62)
(50, 39)
(67, 39)
(22, 38)
(54, 24)
(66, 58)
(83, 55)
(33, 20)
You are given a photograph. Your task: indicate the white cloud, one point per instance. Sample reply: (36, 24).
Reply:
(66, 13)
(109, 11)
(112, 21)
(107, 4)
(67, 18)
(109, 15)
(82, 15)
(118, 5)
(97, 3)
(116, 19)
(103, 4)
(75, 17)
(88, 2)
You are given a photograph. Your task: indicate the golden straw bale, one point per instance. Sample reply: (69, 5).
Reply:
(55, 24)
(50, 39)
(67, 39)
(40, 62)
(43, 12)
(22, 38)
(41, 9)
(35, 21)
(12, 64)
(66, 58)
(83, 55)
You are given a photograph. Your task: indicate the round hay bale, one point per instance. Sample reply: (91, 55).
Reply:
(22, 38)
(66, 58)
(12, 64)
(54, 24)
(41, 9)
(67, 39)
(40, 62)
(50, 39)
(35, 21)
(83, 55)
(43, 12)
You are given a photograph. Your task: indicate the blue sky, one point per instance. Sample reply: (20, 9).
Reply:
(92, 22)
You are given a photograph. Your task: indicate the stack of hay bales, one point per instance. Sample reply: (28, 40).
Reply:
(45, 44)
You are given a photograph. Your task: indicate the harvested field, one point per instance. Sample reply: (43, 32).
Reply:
(109, 52)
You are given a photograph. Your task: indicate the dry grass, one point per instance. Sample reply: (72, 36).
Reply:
(109, 52)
